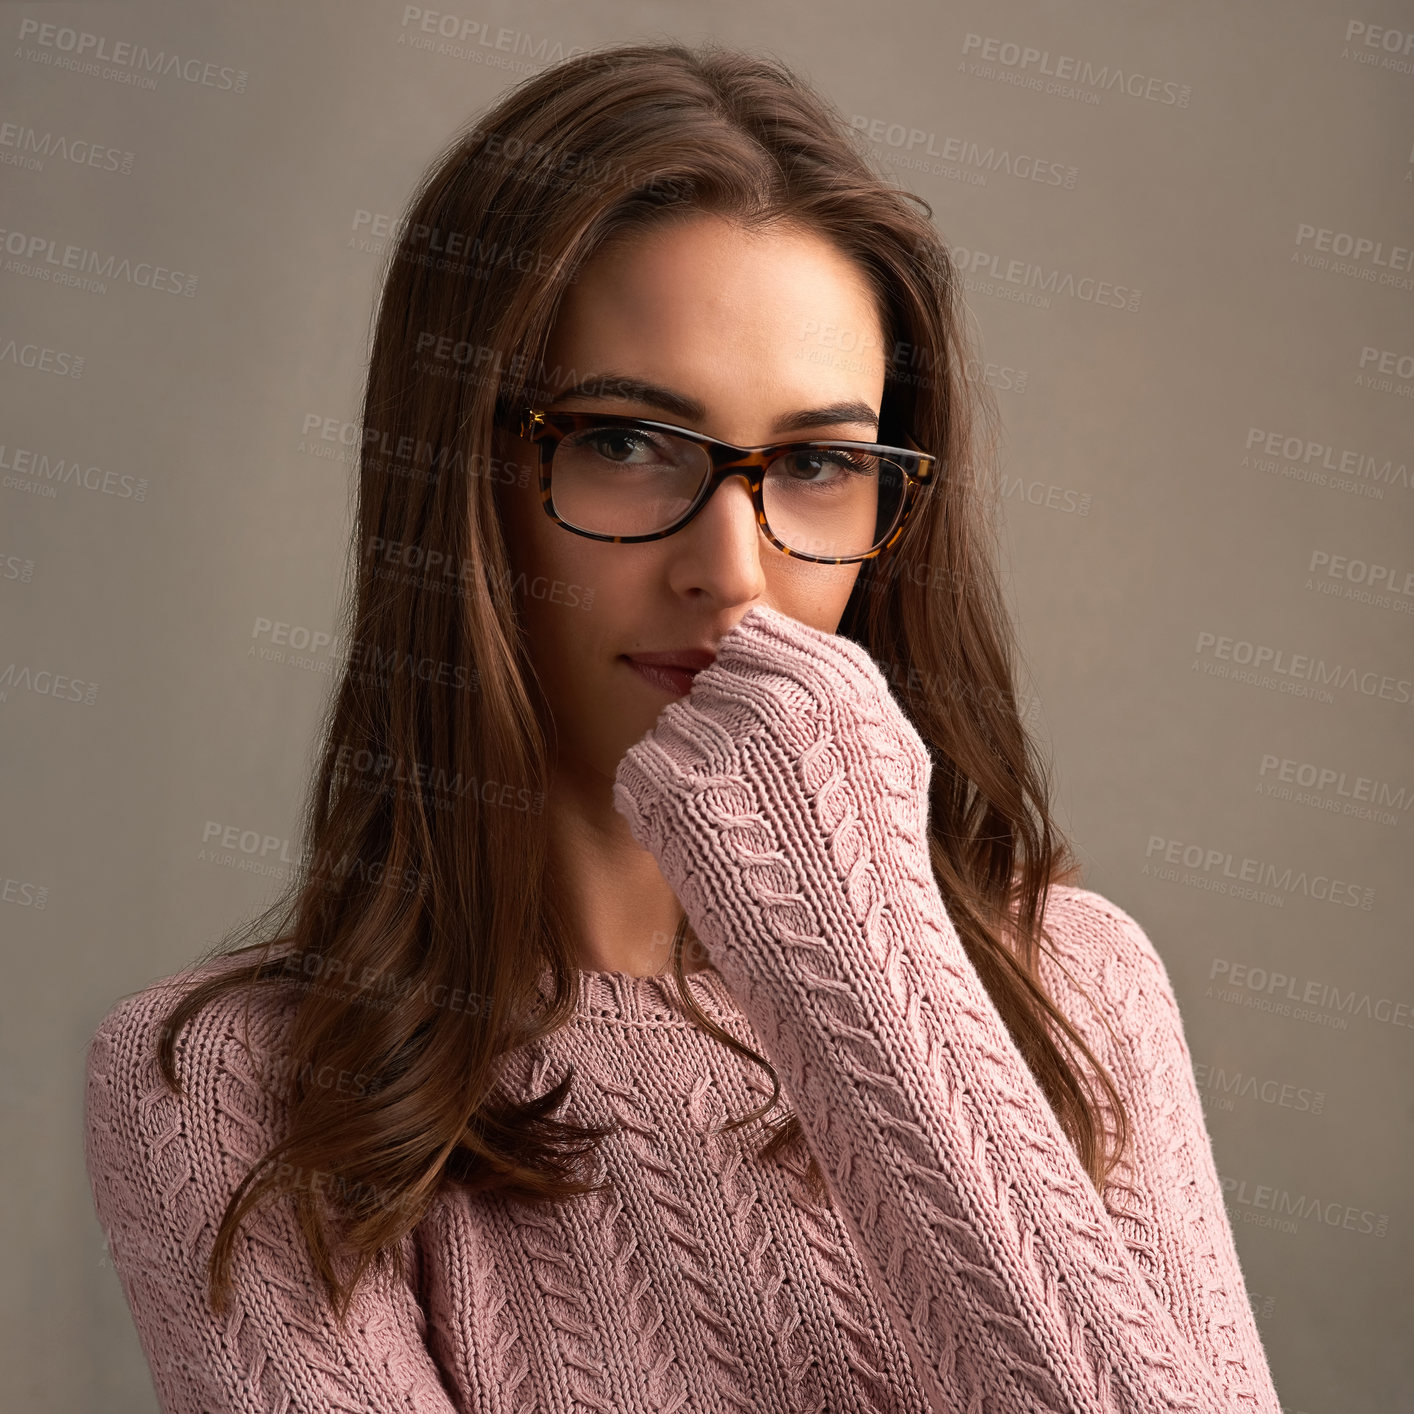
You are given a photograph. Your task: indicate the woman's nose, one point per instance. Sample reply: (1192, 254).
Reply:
(730, 511)
(721, 546)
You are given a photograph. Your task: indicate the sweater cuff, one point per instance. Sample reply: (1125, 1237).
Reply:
(811, 693)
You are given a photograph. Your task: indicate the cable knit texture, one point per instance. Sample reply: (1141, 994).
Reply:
(962, 1262)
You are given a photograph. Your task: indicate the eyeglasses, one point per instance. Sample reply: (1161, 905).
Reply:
(625, 479)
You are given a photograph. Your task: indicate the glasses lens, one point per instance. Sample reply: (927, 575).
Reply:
(832, 502)
(625, 480)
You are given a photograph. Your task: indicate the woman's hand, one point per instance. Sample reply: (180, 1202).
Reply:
(821, 702)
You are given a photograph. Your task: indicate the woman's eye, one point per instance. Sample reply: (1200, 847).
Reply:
(623, 446)
(613, 444)
(829, 463)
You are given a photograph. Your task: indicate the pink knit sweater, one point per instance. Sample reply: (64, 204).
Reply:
(963, 1263)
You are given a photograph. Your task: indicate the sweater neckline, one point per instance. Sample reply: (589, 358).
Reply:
(652, 999)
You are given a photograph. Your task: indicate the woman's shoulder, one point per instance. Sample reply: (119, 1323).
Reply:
(223, 1055)
(1086, 918)
(134, 1024)
(1104, 948)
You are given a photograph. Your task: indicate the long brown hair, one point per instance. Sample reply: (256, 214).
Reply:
(423, 877)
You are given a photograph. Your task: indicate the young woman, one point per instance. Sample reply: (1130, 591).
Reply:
(686, 1001)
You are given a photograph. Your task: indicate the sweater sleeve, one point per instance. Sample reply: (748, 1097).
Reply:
(162, 1168)
(785, 800)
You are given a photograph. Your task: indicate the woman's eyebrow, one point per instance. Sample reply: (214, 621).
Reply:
(621, 387)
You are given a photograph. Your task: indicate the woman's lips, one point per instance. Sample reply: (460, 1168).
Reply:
(677, 681)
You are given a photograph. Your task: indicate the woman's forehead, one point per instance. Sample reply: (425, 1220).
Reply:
(716, 312)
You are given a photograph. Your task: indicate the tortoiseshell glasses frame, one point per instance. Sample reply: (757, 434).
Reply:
(548, 428)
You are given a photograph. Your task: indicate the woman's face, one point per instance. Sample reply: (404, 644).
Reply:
(742, 331)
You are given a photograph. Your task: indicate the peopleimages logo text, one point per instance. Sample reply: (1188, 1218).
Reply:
(1265, 658)
(83, 49)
